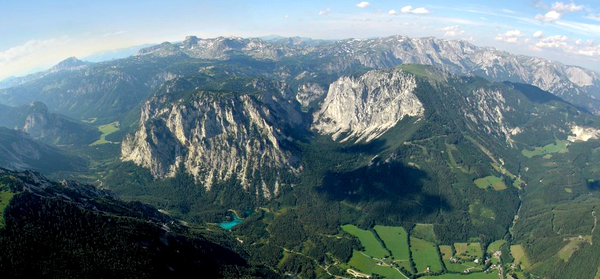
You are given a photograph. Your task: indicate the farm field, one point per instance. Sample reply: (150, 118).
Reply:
(479, 275)
(446, 251)
(424, 255)
(495, 246)
(396, 240)
(518, 253)
(364, 264)
(372, 246)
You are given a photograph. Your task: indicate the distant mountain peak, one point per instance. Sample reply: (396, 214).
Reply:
(68, 64)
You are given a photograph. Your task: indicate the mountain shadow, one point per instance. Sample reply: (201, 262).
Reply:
(385, 192)
(594, 186)
(537, 95)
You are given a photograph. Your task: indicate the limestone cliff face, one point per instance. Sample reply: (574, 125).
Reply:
(308, 93)
(215, 137)
(363, 108)
(486, 109)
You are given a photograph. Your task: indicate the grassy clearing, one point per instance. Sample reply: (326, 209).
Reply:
(479, 275)
(490, 181)
(106, 130)
(495, 246)
(372, 246)
(452, 148)
(424, 231)
(518, 253)
(367, 265)
(424, 255)
(569, 190)
(478, 210)
(5, 197)
(574, 244)
(395, 239)
(561, 146)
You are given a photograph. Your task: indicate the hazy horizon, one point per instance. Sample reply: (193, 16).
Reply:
(39, 35)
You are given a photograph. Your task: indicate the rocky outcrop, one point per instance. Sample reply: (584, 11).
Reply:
(364, 108)
(583, 133)
(216, 137)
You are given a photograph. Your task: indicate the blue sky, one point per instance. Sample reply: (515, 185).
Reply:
(38, 34)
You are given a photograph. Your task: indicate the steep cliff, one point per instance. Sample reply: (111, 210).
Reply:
(365, 107)
(216, 136)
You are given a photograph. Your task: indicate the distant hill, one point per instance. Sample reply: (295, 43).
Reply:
(51, 128)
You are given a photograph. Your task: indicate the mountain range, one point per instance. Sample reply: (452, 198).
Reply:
(323, 148)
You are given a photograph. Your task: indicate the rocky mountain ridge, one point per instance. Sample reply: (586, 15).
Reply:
(575, 84)
(69, 64)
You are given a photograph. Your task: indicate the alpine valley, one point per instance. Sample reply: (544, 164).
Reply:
(230, 157)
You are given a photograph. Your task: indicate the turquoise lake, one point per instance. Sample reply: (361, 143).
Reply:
(230, 224)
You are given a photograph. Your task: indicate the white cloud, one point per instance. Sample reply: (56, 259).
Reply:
(409, 9)
(452, 31)
(557, 10)
(363, 4)
(511, 36)
(40, 54)
(324, 12)
(21, 52)
(286, 16)
(595, 17)
(555, 41)
(548, 17)
(569, 46)
(392, 12)
(566, 8)
(514, 33)
(538, 34)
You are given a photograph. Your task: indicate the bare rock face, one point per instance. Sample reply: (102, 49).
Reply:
(308, 93)
(583, 133)
(215, 138)
(364, 108)
(486, 108)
